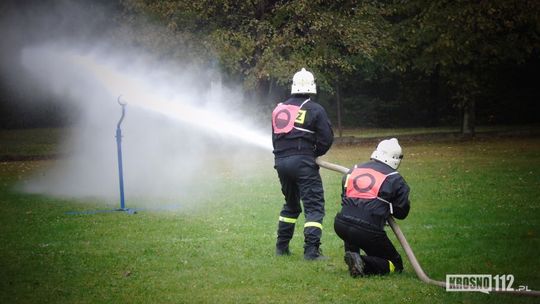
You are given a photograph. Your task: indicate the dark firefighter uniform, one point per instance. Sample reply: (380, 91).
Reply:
(301, 132)
(371, 192)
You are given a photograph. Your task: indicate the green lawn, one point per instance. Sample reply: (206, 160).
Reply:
(381, 132)
(475, 209)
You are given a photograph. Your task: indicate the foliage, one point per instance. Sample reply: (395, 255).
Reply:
(390, 63)
(265, 42)
(394, 51)
(465, 43)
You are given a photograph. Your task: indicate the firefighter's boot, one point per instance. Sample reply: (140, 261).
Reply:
(355, 263)
(312, 253)
(285, 233)
(312, 238)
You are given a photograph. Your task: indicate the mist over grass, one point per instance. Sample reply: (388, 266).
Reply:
(181, 124)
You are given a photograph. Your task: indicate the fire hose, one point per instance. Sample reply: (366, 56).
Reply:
(409, 252)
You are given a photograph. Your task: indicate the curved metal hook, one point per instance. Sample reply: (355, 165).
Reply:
(123, 105)
(120, 102)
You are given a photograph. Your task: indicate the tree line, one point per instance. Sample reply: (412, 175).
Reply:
(377, 63)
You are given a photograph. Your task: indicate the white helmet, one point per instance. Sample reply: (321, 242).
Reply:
(303, 82)
(389, 152)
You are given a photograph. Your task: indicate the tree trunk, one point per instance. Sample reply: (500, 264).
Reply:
(338, 104)
(434, 98)
(469, 119)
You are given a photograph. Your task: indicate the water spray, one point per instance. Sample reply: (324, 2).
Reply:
(409, 252)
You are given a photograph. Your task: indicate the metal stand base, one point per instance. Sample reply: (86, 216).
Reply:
(128, 210)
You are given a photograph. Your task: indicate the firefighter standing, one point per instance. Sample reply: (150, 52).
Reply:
(372, 191)
(301, 132)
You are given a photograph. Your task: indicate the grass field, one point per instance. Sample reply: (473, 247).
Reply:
(381, 132)
(475, 209)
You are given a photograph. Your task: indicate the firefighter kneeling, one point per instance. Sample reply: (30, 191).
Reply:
(372, 191)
